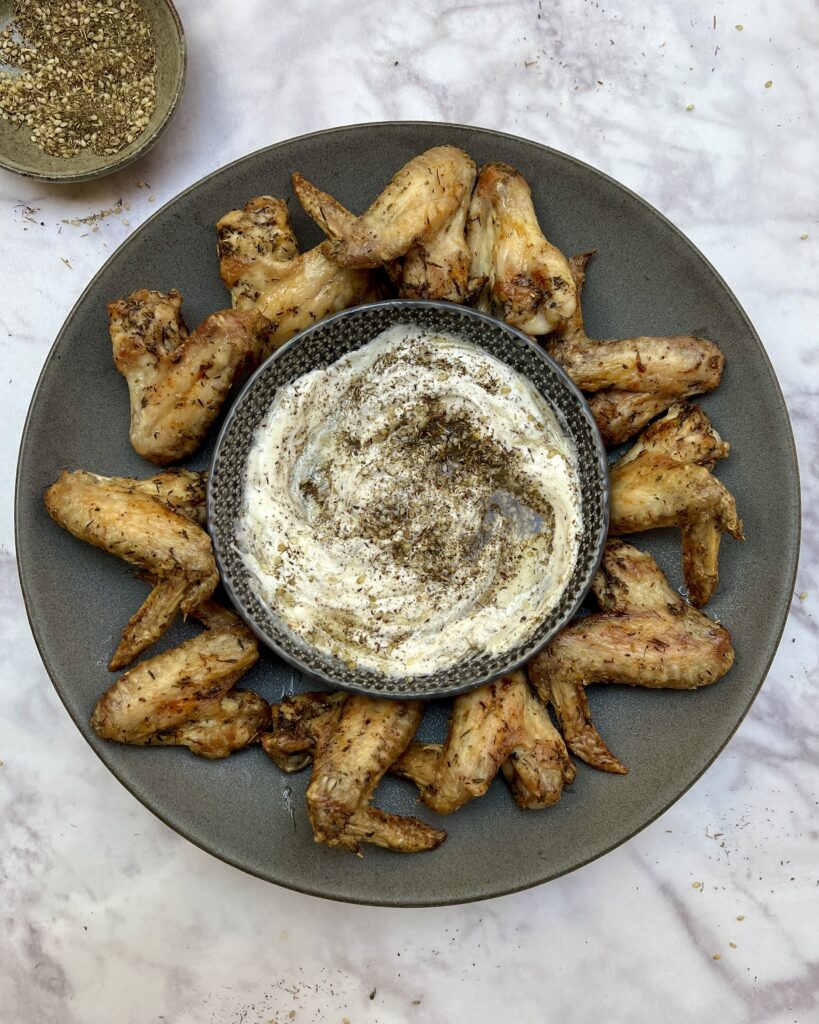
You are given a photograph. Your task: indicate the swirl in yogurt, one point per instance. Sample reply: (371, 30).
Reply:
(411, 504)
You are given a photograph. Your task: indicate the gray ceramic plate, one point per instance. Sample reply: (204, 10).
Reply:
(647, 279)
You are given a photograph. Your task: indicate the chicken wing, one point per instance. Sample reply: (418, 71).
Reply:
(186, 696)
(181, 490)
(135, 520)
(436, 268)
(632, 379)
(516, 272)
(665, 480)
(422, 199)
(619, 415)
(178, 382)
(684, 434)
(260, 264)
(539, 766)
(645, 635)
(499, 726)
(350, 760)
(298, 723)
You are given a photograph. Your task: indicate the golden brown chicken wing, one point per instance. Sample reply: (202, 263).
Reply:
(349, 761)
(435, 268)
(298, 723)
(420, 202)
(151, 524)
(178, 382)
(646, 635)
(665, 480)
(186, 696)
(517, 274)
(260, 264)
(619, 415)
(501, 725)
(632, 379)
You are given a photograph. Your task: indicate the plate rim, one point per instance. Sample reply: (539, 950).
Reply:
(776, 391)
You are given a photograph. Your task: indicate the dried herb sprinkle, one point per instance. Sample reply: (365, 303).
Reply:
(79, 74)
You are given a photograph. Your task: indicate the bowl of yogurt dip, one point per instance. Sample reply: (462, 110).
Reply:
(408, 499)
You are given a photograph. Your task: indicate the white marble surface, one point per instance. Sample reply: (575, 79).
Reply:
(108, 916)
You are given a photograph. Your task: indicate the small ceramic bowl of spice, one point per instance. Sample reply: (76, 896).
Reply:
(86, 86)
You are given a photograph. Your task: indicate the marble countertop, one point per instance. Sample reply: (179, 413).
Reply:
(709, 112)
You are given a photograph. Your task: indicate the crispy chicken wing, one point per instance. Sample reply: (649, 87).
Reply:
(420, 202)
(501, 725)
(181, 490)
(517, 273)
(684, 434)
(619, 415)
(178, 382)
(483, 730)
(151, 524)
(435, 268)
(350, 760)
(260, 264)
(633, 379)
(539, 766)
(646, 635)
(665, 480)
(298, 723)
(186, 696)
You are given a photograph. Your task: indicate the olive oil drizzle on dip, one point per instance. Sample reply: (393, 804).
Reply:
(411, 504)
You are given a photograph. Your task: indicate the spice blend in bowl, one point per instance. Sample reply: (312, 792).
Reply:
(408, 499)
(85, 85)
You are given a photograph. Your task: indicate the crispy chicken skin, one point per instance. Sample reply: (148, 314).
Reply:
(298, 723)
(181, 490)
(665, 480)
(539, 766)
(178, 382)
(418, 204)
(260, 263)
(350, 760)
(620, 415)
(186, 696)
(645, 635)
(500, 726)
(136, 520)
(632, 379)
(482, 733)
(684, 434)
(435, 268)
(516, 273)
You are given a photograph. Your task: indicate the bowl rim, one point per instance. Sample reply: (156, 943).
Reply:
(407, 692)
(147, 142)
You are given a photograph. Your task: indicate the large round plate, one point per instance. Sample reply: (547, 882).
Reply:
(647, 279)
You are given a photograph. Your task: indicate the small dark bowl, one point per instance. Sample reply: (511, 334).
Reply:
(19, 154)
(324, 343)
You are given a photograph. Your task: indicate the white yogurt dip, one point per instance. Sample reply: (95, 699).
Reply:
(410, 504)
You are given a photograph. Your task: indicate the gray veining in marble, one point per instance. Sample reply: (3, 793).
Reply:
(109, 916)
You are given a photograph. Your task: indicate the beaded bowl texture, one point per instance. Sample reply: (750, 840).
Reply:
(321, 345)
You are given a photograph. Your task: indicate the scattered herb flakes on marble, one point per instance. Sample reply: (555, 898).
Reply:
(82, 74)
(94, 218)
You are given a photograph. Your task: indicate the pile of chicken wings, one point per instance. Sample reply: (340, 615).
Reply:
(440, 230)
